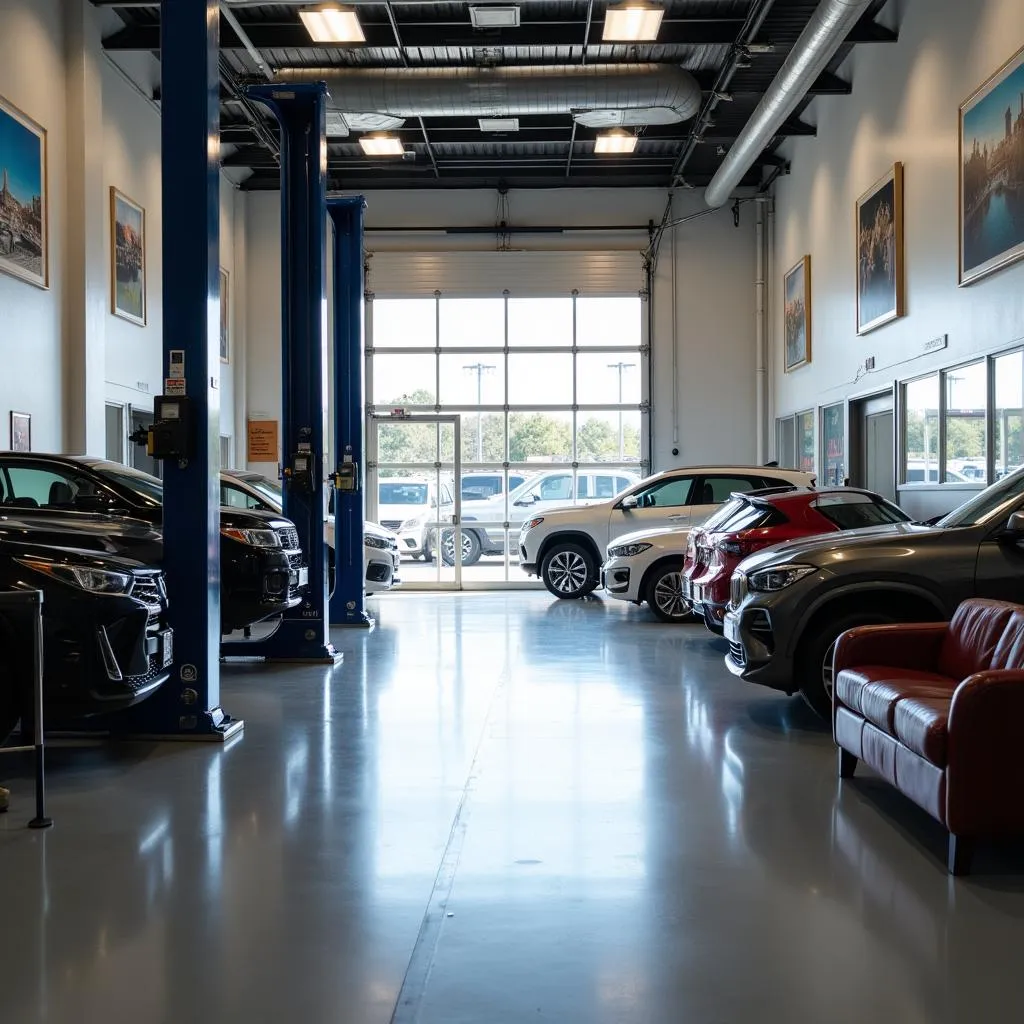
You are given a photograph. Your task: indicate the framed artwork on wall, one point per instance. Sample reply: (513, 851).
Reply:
(21, 432)
(991, 166)
(225, 318)
(880, 281)
(796, 287)
(24, 198)
(127, 258)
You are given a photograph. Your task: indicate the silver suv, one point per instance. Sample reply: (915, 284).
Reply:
(789, 603)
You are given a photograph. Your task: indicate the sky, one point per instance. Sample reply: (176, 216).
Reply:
(19, 156)
(986, 121)
(968, 387)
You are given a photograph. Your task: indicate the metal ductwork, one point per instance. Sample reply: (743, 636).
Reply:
(598, 95)
(830, 24)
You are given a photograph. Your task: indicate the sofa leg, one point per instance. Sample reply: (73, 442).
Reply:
(961, 850)
(847, 763)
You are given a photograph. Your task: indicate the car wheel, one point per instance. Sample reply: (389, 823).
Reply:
(814, 660)
(471, 549)
(569, 571)
(428, 551)
(663, 592)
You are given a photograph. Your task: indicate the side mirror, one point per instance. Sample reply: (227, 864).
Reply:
(629, 501)
(1015, 527)
(526, 502)
(92, 503)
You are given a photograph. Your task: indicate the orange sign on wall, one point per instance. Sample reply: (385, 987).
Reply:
(262, 441)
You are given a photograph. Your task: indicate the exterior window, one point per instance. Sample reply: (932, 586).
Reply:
(671, 493)
(1008, 426)
(966, 412)
(805, 441)
(785, 442)
(921, 431)
(833, 445)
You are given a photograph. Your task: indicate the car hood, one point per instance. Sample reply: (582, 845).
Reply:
(825, 549)
(596, 510)
(254, 519)
(667, 538)
(71, 556)
(92, 525)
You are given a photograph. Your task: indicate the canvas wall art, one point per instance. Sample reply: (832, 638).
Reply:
(23, 197)
(21, 432)
(127, 258)
(797, 307)
(880, 293)
(992, 173)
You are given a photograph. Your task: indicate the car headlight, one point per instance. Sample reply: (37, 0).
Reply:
(532, 523)
(628, 550)
(415, 522)
(254, 538)
(782, 576)
(375, 542)
(96, 581)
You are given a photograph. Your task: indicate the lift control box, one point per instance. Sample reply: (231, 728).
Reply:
(347, 477)
(172, 435)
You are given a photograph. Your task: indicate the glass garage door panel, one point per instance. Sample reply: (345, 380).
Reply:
(404, 323)
(473, 378)
(608, 378)
(540, 378)
(611, 435)
(404, 380)
(471, 323)
(610, 322)
(538, 322)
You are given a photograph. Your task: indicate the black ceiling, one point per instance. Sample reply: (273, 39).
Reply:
(703, 36)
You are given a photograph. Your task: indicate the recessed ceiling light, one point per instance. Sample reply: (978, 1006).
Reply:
(632, 22)
(331, 23)
(499, 124)
(494, 16)
(382, 145)
(615, 142)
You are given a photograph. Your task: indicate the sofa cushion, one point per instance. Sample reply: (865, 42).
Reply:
(1009, 651)
(880, 699)
(921, 725)
(850, 682)
(973, 635)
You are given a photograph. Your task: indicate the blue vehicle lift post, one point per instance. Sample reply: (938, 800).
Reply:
(301, 113)
(348, 600)
(188, 705)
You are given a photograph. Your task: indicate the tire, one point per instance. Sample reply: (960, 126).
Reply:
(814, 657)
(471, 549)
(662, 590)
(428, 551)
(569, 571)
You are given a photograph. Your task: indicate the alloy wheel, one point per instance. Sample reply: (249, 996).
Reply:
(448, 547)
(827, 671)
(668, 595)
(568, 572)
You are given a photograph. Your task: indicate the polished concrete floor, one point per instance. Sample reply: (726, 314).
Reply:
(499, 809)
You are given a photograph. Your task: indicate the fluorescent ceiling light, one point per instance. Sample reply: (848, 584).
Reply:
(499, 124)
(330, 23)
(615, 142)
(632, 22)
(493, 16)
(382, 145)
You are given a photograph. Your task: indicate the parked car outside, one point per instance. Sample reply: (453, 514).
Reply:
(106, 642)
(240, 488)
(789, 604)
(263, 571)
(405, 504)
(481, 486)
(760, 519)
(564, 546)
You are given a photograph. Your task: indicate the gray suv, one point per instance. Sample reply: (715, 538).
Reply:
(789, 603)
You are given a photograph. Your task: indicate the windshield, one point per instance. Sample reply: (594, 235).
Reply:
(142, 484)
(855, 511)
(717, 520)
(993, 502)
(267, 490)
(402, 494)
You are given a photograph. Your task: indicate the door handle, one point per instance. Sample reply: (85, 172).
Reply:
(679, 515)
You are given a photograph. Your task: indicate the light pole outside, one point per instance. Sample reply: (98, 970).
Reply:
(479, 369)
(622, 369)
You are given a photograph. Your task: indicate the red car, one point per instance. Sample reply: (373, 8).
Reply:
(748, 522)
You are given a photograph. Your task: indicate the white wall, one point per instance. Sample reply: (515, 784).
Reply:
(715, 311)
(903, 108)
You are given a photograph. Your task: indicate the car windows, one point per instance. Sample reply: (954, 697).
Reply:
(235, 497)
(856, 511)
(402, 494)
(604, 487)
(446, 495)
(621, 483)
(478, 487)
(556, 488)
(747, 515)
(666, 493)
(514, 481)
(716, 489)
(36, 487)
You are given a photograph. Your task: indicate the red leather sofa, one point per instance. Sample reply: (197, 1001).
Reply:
(938, 711)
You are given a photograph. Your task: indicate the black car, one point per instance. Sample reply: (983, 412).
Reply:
(263, 572)
(106, 642)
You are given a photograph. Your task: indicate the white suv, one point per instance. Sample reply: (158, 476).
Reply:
(566, 546)
(405, 505)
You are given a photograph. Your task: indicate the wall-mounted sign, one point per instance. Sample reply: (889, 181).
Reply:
(262, 441)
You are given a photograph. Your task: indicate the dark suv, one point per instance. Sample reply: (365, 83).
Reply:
(263, 572)
(789, 604)
(106, 643)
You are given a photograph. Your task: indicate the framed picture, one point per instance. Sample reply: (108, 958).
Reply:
(127, 258)
(21, 432)
(797, 306)
(225, 318)
(991, 192)
(880, 289)
(24, 198)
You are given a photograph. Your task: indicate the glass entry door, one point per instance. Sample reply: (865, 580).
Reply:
(412, 490)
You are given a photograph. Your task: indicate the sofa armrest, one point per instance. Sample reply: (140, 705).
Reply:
(900, 646)
(985, 770)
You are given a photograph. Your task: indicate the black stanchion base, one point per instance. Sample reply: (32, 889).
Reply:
(41, 823)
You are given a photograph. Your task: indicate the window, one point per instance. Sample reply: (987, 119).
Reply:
(805, 441)
(746, 515)
(35, 487)
(234, 497)
(604, 487)
(921, 430)
(833, 446)
(785, 442)
(556, 488)
(717, 489)
(666, 493)
(115, 432)
(142, 485)
(402, 494)
(966, 415)
(855, 511)
(446, 495)
(478, 488)
(1008, 425)
(225, 452)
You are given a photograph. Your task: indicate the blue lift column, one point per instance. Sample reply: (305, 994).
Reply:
(347, 601)
(301, 113)
(188, 705)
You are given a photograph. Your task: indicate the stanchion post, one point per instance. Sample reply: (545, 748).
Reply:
(40, 820)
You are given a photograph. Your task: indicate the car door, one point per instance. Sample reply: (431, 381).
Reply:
(999, 572)
(712, 489)
(662, 503)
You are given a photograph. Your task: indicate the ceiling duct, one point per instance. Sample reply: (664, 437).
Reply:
(596, 95)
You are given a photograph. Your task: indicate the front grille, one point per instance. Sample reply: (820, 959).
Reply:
(737, 589)
(295, 559)
(289, 537)
(150, 589)
(391, 524)
(736, 650)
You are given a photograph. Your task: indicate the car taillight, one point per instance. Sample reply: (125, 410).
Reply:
(739, 548)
